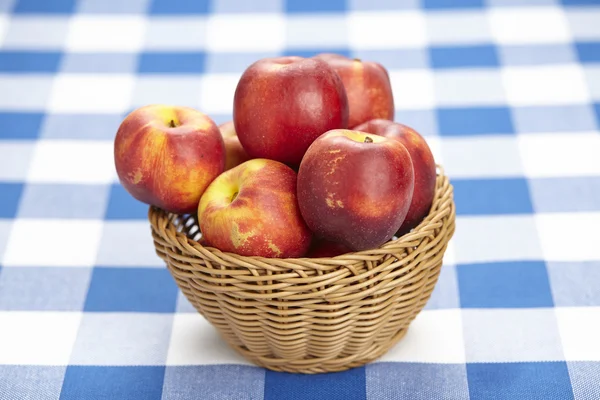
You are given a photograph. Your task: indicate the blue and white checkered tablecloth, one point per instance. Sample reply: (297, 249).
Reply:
(506, 92)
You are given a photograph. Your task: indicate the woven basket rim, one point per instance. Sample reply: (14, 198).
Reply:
(435, 214)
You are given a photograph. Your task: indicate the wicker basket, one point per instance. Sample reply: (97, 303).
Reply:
(310, 315)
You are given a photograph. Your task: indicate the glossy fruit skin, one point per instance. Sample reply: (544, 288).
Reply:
(367, 85)
(281, 105)
(355, 188)
(322, 248)
(167, 156)
(423, 165)
(234, 151)
(252, 210)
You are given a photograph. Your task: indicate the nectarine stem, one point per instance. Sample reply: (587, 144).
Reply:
(234, 196)
(368, 140)
(172, 124)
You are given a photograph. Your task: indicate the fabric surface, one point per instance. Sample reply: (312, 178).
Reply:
(506, 92)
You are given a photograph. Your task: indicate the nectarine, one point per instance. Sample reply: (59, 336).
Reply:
(252, 210)
(355, 188)
(281, 105)
(168, 155)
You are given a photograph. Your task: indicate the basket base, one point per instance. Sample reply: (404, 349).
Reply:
(321, 365)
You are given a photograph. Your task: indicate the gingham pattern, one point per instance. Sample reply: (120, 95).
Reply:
(506, 92)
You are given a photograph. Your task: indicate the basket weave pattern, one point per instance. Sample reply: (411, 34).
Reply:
(310, 315)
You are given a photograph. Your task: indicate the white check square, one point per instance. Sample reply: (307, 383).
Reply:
(435, 336)
(554, 155)
(217, 92)
(557, 245)
(435, 145)
(413, 89)
(529, 25)
(122, 339)
(70, 161)
(300, 37)
(5, 227)
(471, 87)
(114, 33)
(488, 238)
(25, 92)
(60, 243)
(37, 338)
(41, 32)
(545, 85)
(583, 22)
(482, 156)
(592, 76)
(165, 33)
(127, 244)
(3, 28)
(579, 330)
(91, 93)
(458, 27)
(194, 341)
(168, 89)
(511, 335)
(15, 158)
(261, 32)
(385, 30)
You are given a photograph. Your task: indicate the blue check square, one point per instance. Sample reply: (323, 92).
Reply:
(179, 6)
(396, 58)
(114, 289)
(20, 125)
(132, 383)
(237, 6)
(491, 196)
(99, 63)
(588, 51)
(344, 385)
(171, 63)
(6, 6)
(25, 61)
(460, 4)
(566, 118)
(538, 54)
(112, 7)
(565, 194)
(315, 6)
(214, 382)
(522, 380)
(423, 121)
(521, 284)
(42, 6)
(121, 205)
(464, 56)
(579, 2)
(442, 380)
(474, 121)
(81, 126)
(43, 288)
(45, 200)
(10, 196)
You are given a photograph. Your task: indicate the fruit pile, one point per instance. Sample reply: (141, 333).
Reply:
(311, 165)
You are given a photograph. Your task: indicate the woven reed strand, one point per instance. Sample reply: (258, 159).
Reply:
(310, 315)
